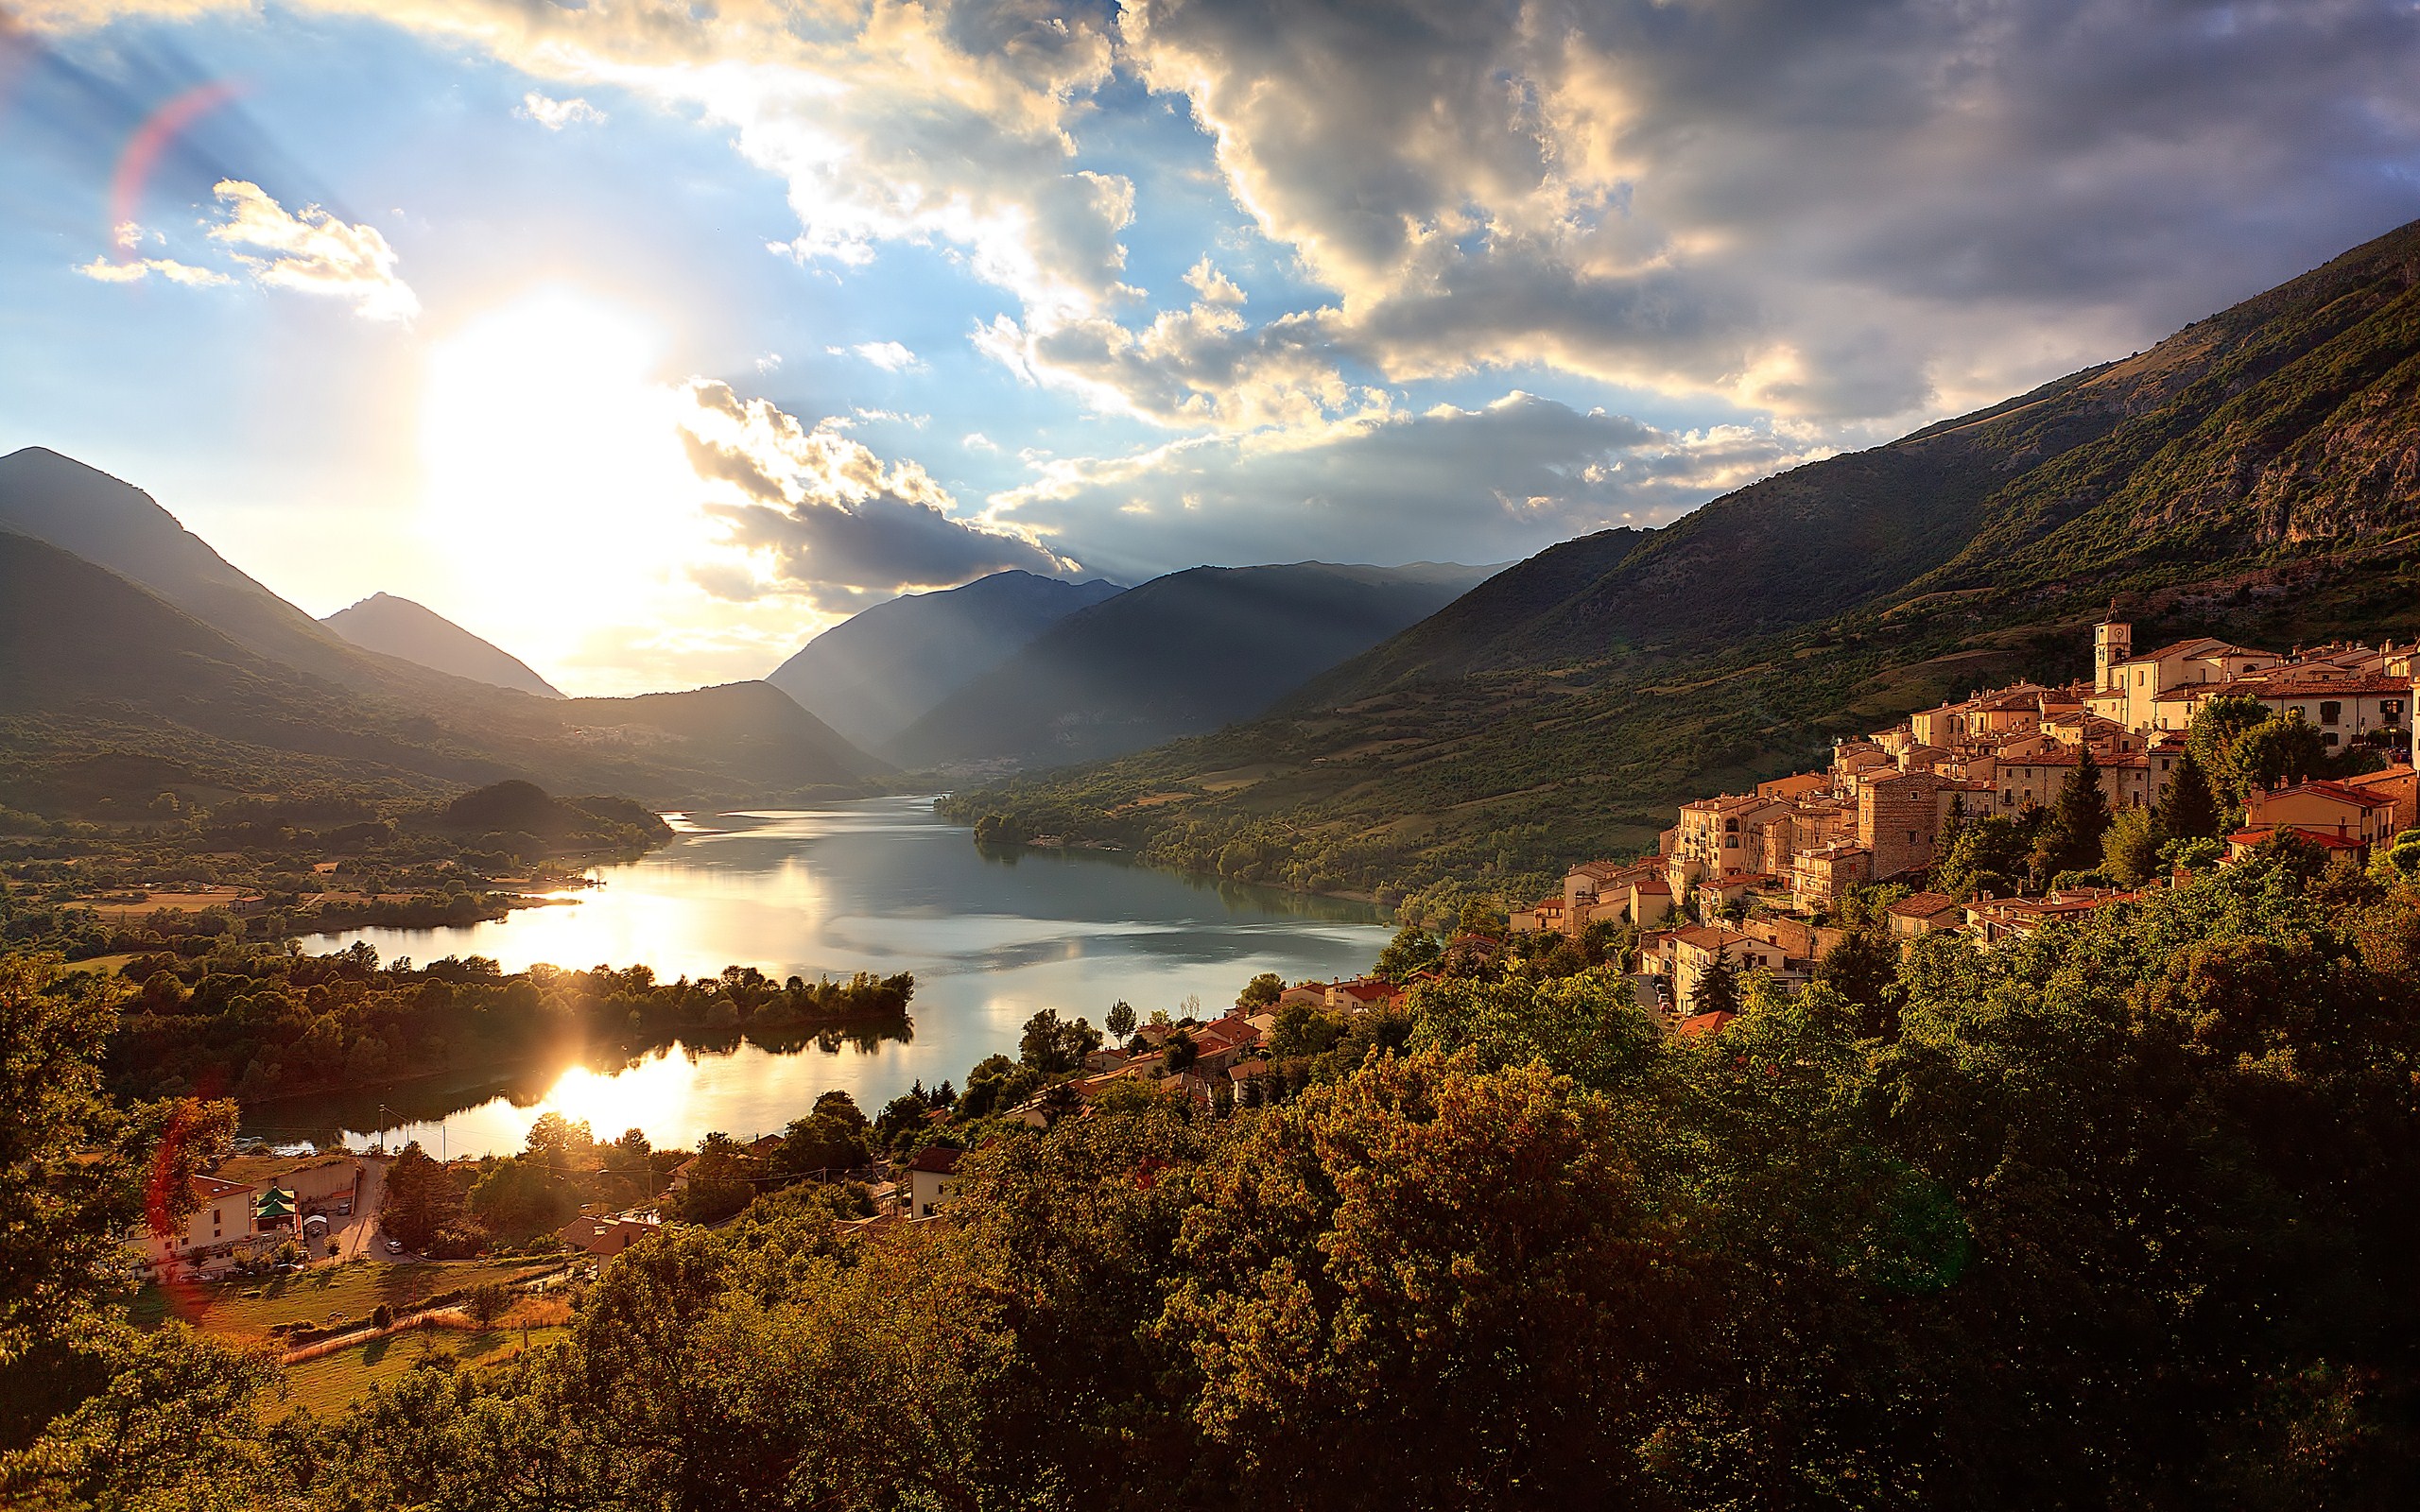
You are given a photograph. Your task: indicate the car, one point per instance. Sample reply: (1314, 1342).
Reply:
(394, 1246)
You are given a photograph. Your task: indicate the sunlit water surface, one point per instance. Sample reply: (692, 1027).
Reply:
(879, 885)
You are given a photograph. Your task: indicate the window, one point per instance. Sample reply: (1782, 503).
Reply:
(1731, 842)
(2390, 709)
(2331, 713)
(2332, 738)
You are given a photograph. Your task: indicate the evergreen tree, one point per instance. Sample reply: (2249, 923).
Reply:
(2189, 810)
(1718, 987)
(2079, 819)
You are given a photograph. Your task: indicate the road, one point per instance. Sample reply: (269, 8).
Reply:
(359, 1235)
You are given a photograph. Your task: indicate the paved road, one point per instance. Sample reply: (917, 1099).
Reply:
(359, 1236)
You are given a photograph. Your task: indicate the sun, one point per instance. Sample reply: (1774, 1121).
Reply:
(557, 486)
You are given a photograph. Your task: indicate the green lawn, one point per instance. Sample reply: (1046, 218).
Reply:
(328, 1384)
(352, 1290)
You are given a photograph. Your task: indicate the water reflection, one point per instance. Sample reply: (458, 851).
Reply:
(882, 886)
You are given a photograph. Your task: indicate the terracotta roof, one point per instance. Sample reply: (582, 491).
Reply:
(1924, 905)
(2317, 837)
(210, 1187)
(2391, 774)
(2199, 643)
(1713, 937)
(1654, 884)
(1699, 1023)
(936, 1159)
(2319, 687)
(2339, 792)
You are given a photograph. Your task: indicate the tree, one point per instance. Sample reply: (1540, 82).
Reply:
(560, 1145)
(1864, 970)
(2189, 810)
(2079, 818)
(719, 1182)
(1262, 991)
(1120, 1020)
(1476, 917)
(2217, 725)
(2129, 851)
(1052, 1048)
(1353, 1282)
(488, 1302)
(1182, 1052)
(516, 1197)
(1411, 952)
(421, 1199)
(1718, 986)
(2279, 750)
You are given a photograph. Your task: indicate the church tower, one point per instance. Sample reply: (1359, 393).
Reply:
(2112, 642)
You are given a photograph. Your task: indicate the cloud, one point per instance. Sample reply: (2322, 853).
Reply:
(555, 114)
(887, 355)
(136, 270)
(817, 513)
(1472, 485)
(1813, 208)
(310, 251)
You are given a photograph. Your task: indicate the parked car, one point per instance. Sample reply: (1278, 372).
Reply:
(394, 1246)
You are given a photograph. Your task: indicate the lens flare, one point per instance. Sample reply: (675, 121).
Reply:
(141, 154)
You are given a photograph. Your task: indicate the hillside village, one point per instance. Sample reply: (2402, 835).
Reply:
(1751, 881)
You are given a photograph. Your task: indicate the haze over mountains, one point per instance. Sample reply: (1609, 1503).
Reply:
(1177, 655)
(398, 626)
(2256, 475)
(877, 672)
(122, 630)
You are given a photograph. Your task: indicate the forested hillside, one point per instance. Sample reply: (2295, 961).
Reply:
(2258, 475)
(2117, 1216)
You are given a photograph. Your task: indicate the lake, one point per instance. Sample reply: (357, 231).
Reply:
(879, 885)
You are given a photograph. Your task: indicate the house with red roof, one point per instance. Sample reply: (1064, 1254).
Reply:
(932, 1180)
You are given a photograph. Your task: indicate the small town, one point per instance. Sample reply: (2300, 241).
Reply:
(1748, 883)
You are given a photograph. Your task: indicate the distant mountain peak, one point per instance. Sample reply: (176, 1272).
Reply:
(399, 627)
(873, 674)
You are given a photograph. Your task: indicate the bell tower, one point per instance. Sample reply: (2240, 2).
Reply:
(2112, 642)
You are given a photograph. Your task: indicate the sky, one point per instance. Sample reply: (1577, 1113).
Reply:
(648, 339)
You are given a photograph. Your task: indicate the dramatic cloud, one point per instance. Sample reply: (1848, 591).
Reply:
(1857, 212)
(310, 251)
(830, 520)
(555, 114)
(1806, 207)
(1448, 484)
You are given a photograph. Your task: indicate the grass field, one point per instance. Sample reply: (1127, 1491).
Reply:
(326, 1385)
(351, 1291)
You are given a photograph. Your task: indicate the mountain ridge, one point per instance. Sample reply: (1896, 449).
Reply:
(2255, 474)
(874, 674)
(100, 660)
(1182, 653)
(413, 631)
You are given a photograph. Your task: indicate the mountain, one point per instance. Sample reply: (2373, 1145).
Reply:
(118, 527)
(2255, 475)
(165, 652)
(399, 627)
(1179, 654)
(874, 674)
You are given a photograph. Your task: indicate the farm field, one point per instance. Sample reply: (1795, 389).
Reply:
(326, 1385)
(350, 1291)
